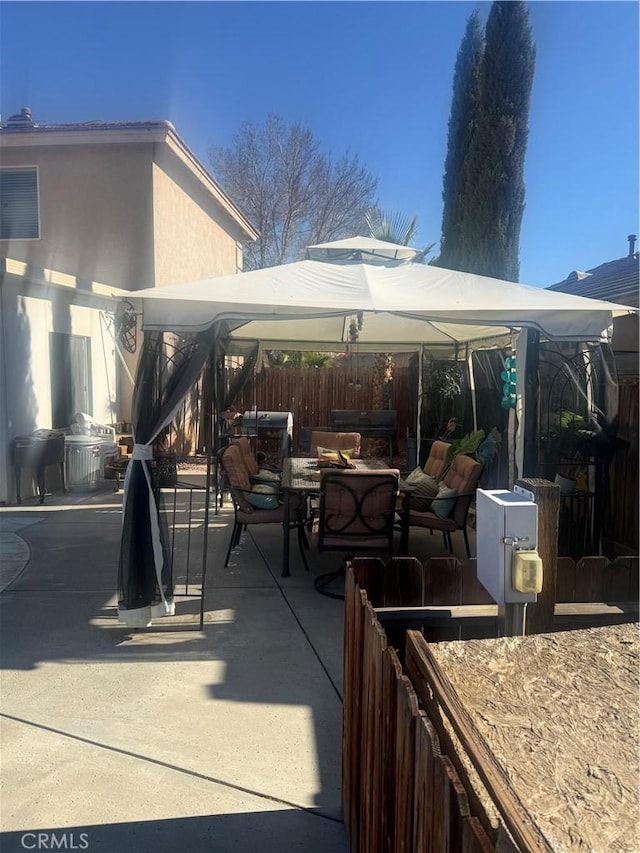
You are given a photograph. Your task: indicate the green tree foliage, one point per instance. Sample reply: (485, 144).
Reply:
(484, 188)
(294, 194)
(293, 358)
(394, 228)
(465, 106)
(390, 227)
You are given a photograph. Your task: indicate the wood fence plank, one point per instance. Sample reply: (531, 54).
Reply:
(375, 744)
(457, 806)
(444, 580)
(634, 588)
(623, 579)
(366, 732)
(404, 582)
(351, 702)
(428, 829)
(474, 838)
(591, 579)
(388, 744)
(473, 592)
(437, 806)
(365, 735)
(407, 712)
(622, 520)
(370, 576)
(370, 780)
(565, 579)
(354, 770)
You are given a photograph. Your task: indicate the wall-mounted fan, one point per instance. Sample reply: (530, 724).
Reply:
(125, 325)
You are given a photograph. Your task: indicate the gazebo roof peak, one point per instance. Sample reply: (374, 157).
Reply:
(360, 249)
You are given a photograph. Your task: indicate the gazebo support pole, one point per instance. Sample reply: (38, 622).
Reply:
(207, 498)
(531, 412)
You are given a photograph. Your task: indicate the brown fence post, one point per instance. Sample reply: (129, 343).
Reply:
(407, 712)
(352, 669)
(547, 496)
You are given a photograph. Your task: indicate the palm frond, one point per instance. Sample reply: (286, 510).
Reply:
(390, 227)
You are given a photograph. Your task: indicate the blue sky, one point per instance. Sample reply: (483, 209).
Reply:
(371, 77)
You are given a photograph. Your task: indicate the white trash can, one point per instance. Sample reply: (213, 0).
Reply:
(83, 461)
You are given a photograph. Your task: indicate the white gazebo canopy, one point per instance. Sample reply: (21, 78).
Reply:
(406, 304)
(310, 305)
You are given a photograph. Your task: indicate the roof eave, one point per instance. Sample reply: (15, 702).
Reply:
(182, 151)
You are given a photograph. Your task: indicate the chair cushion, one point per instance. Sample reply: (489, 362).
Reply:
(425, 487)
(237, 474)
(334, 441)
(445, 501)
(463, 474)
(265, 476)
(415, 476)
(333, 454)
(263, 496)
(248, 456)
(437, 459)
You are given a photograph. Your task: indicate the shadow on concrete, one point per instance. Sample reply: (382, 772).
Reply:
(287, 830)
(252, 652)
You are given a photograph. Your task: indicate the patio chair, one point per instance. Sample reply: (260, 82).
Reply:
(448, 510)
(258, 503)
(356, 515)
(437, 459)
(258, 470)
(424, 481)
(335, 441)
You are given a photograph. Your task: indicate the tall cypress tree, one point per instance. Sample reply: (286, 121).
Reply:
(465, 107)
(492, 191)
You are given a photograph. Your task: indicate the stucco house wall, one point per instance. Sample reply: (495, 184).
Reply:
(121, 207)
(191, 240)
(95, 211)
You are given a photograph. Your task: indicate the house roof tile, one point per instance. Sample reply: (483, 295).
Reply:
(617, 281)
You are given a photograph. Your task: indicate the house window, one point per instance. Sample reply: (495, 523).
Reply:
(19, 218)
(71, 390)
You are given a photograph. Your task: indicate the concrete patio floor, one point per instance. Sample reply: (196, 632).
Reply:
(167, 738)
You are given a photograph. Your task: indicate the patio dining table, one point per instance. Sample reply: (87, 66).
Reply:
(299, 479)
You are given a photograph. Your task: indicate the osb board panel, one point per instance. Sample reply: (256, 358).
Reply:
(560, 713)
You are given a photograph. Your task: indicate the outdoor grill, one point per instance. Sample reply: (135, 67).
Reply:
(371, 423)
(270, 425)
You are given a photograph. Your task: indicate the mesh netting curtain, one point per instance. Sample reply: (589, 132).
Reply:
(487, 367)
(242, 377)
(145, 582)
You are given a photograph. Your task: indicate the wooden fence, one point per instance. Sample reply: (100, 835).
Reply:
(622, 507)
(407, 786)
(400, 792)
(310, 394)
(594, 579)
